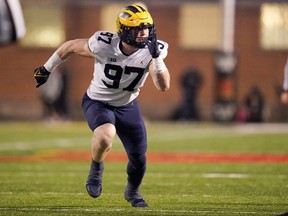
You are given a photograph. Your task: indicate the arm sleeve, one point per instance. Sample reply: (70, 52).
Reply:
(285, 82)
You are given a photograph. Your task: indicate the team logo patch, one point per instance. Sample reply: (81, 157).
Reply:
(112, 59)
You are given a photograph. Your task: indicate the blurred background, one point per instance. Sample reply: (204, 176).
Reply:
(226, 58)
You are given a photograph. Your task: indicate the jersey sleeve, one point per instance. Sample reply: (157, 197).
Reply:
(99, 41)
(163, 47)
(92, 43)
(285, 82)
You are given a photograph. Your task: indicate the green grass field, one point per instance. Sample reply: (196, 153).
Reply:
(222, 189)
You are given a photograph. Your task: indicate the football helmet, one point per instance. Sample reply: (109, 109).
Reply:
(130, 20)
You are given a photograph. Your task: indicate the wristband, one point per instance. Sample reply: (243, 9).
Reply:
(159, 65)
(285, 87)
(53, 62)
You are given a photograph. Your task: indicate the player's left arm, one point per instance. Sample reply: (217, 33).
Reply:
(284, 95)
(160, 77)
(157, 67)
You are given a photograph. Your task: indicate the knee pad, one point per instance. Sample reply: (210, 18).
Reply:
(137, 160)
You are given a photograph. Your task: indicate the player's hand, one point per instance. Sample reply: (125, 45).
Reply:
(153, 45)
(41, 75)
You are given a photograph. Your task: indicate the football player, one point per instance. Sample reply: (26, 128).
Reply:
(284, 95)
(123, 60)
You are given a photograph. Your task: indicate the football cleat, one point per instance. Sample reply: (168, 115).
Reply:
(134, 197)
(94, 180)
(94, 188)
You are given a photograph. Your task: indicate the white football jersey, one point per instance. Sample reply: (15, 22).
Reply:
(117, 78)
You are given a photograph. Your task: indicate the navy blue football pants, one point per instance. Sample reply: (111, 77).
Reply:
(130, 128)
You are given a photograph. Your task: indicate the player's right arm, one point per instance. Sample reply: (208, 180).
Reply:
(77, 46)
(71, 47)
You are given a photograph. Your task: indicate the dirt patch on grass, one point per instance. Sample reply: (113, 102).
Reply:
(152, 157)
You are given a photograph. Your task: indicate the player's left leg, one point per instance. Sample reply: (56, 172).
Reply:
(131, 130)
(135, 169)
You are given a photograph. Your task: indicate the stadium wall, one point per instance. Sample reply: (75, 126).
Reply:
(19, 99)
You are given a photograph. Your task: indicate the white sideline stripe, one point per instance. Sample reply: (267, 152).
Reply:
(55, 209)
(107, 194)
(78, 193)
(43, 144)
(44, 193)
(182, 175)
(178, 175)
(112, 194)
(229, 175)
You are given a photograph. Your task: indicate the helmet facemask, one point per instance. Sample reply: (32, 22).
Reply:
(129, 35)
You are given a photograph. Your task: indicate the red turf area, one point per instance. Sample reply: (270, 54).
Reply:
(152, 157)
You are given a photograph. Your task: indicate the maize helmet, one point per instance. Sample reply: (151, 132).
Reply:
(134, 17)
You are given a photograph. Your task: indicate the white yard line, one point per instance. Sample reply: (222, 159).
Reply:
(64, 209)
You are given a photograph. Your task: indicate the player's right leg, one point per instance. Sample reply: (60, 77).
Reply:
(101, 121)
(102, 141)
(101, 145)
